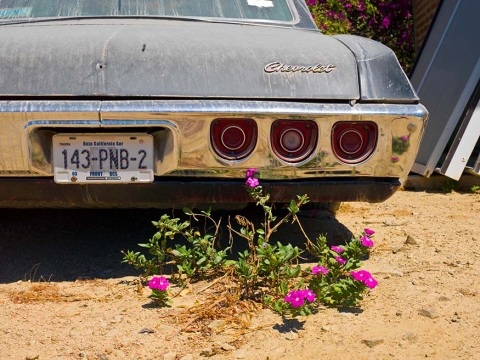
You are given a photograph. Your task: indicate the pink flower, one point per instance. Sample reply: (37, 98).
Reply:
(337, 249)
(395, 159)
(366, 241)
(371, 282)
(309, 295)
(386, 22)
(159, 283)
(251, 172)
(340, 260)
(369, 232)
(321, 269)
(296, 298)
(365, 277)
(404, 137)
(252, 182)
(361, 275)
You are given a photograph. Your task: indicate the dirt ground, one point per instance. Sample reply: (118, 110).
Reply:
(426, 305)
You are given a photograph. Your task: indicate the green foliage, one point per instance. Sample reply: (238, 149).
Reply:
(197, 259)
(266, 270)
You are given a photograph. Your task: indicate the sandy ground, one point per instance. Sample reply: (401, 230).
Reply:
(426, 305)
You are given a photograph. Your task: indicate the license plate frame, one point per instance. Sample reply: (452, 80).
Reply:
(103, 158)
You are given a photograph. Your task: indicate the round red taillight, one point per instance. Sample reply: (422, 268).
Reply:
(294, 140)
(233, 139)
(354, 142)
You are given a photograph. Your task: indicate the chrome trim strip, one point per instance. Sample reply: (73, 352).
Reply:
(181, 129)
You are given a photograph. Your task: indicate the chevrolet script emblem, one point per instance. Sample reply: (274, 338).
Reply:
(315, 69)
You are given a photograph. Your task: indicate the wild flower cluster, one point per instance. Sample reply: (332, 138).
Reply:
(159, 286)
(266, 271)
(388, 21)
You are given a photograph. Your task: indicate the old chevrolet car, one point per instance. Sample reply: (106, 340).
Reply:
(165, 103)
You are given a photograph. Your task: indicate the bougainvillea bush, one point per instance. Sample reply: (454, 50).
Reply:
(387, 21)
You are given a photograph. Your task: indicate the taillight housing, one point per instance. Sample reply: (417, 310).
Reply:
(354, 142)
(293, 140)
(233, 139)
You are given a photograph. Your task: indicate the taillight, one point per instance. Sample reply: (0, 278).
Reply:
(294, 140)
(233, 139)
(354, 142)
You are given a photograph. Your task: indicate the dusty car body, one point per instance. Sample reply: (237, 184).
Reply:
(158, 103)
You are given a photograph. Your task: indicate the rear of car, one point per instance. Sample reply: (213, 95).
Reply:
(164, 103)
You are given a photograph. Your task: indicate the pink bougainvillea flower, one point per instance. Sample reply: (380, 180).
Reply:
(395, 158)
(309, 295)
(337, 249)
(404, 137)
(340, 260)
(369, 232)
(370, 282)
(252, 182)
(361, 275)
(319, 269)
(159, 283)
(251, 172)
(366, 241)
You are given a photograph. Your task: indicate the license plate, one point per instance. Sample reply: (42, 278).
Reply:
(103, 158)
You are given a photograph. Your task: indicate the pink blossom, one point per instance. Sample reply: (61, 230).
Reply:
(386, 22)
(337, 249)
(319, 269)
(404, 137)
(251, 172)
(159, 283)
(252, 182)
(340, 260)
(366, 241)
(369, 232)
(296, 298)
(361, 275)
(395, 159)
(309, 295)
(371, 282)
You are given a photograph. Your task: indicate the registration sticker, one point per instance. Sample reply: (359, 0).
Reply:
(260, 3)
(15, 13)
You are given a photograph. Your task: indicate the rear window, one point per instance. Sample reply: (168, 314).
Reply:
(270, 10)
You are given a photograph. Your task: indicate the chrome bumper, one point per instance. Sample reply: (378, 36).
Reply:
(181, 131)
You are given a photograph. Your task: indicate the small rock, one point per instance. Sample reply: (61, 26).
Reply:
(188, 357)
(398, 248)
(430, 313)
(226, 346)
(469, 262)
(326, 328)
(372, 342)
(118, 353)
(410, 336)
(437, 250)
(443, 298)
(399, 313)
(410, 240)
(146, 331)
(292, 335)
(240, 353)
(32, 357)
(207, 352)
(83, 354)
(170, 356)
(217, 325)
